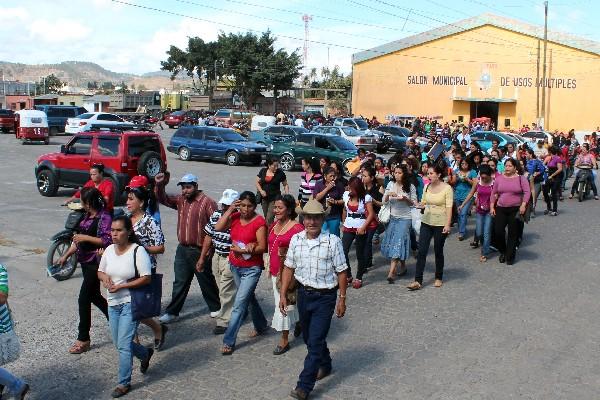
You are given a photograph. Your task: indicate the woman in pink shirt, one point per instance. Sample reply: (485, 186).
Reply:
(510, 196)
(280, 234)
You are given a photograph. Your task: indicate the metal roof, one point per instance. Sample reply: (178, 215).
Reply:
(514, 25)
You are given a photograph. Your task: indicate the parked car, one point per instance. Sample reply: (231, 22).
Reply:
(400, 135)
(484, 139)
(58, 116)
(207, 142)
(276, 133)
(179, 118)
(123, 154)
(384, 140)
(226, 117)
(534, 136)
(76, 124)
(359, 138)
(308, 145)
(31, 126)
(7, 120)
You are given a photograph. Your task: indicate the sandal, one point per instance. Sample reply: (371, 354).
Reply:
(438, 283)
(227, 350)
(414, 286)
(482, 259)
(80, 347)
(390, 280)
(158, 343)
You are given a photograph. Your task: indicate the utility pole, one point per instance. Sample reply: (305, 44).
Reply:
(537, 79)
(544, 68)
(306, 18)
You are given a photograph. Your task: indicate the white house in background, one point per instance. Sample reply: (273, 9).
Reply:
(97, 103)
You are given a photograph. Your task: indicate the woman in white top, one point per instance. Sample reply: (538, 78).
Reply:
(401, 195)
(117, 268)
(358, 219)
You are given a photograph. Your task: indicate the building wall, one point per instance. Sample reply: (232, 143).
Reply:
(71, 100)
(403, 82)
(18, 102)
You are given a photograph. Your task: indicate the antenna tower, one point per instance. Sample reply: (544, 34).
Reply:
(306, 18)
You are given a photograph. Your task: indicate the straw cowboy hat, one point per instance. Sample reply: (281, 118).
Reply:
(312, 207)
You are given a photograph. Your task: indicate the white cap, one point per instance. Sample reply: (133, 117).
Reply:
(188, 178)
(229, 196)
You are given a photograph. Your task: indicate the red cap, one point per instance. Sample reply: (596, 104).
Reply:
(138, 181)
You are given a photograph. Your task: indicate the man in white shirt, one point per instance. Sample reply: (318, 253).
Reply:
(299, 122)
(316, 260)
(465, 135)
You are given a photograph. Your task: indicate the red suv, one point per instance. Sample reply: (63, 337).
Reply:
(7, 120)
(178, 118)
(124, 154)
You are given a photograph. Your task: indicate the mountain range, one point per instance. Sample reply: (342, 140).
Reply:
(79, 73)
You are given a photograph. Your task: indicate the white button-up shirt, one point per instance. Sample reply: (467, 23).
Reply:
(316, 262)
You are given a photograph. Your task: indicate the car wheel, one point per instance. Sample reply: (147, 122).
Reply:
(46, 183)
(232, 158)
(150, 164)
(286, 162)
(184, 154)
(53, 131)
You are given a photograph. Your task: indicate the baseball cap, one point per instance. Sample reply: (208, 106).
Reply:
(229, 196)
(138, 181)
(188, 178)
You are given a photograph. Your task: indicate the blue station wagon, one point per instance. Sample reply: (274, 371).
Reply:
(212, 143)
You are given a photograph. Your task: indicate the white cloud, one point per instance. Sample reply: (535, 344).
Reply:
(9, 14)
(60, 30)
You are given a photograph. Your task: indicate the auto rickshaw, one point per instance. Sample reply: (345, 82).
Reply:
(31, 126)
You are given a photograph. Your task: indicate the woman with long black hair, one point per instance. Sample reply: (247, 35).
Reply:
(553, 182)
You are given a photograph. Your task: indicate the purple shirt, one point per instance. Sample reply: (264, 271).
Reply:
(86, 252)
(511, 191)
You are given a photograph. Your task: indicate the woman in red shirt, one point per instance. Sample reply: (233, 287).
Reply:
(280, 234)
(248, 244)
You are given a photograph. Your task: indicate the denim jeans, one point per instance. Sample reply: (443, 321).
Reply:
(483, 231)
(332, 226)
(462, 216)
(12, 383)
(123, 329)
(246, 280)
(316, 310)
(427, 233)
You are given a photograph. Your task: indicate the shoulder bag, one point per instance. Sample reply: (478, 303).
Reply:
(145, 300)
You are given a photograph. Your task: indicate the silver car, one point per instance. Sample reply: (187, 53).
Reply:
(360, 139)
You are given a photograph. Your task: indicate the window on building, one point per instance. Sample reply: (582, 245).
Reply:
(507, 122)
(461, 118)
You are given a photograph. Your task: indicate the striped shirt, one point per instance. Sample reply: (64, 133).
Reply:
(192, 215)
(221, 240)
(305, 191)
(5, 320)
(316, 262)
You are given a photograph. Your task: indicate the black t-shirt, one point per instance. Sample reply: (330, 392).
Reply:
(376, 195)
(273, 188)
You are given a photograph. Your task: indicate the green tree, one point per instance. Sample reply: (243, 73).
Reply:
(50, 84)
(197, 62)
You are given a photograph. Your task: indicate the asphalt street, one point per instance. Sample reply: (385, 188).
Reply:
(527, 331)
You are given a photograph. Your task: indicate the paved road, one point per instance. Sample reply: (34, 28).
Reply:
(492, 332)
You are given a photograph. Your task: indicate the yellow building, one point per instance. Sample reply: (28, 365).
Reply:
(485, 66)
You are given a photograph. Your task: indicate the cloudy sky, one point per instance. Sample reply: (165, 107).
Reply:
(125, 38)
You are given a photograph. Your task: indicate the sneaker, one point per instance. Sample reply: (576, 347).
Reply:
(554, 213)
(546, 212)
(215, 314)
(168, 318)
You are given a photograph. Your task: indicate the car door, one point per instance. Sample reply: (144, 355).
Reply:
(324, 148)
(214, 147)
(74, 166)
(196, 142)
(302, 147)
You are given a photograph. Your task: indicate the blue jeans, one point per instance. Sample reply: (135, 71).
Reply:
(316, 310)
(483, 231)
(332, 226)
(11, 382)
(246, 280)
(463, 215)
(123, 329)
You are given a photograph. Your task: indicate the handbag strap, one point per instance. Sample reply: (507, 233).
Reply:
(137, 274)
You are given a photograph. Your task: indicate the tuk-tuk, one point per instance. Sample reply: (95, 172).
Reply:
(31, 126)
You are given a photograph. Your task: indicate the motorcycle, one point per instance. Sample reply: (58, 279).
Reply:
(585, 185)
(62, 241)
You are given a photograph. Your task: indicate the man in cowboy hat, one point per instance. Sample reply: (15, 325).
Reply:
(316, 260)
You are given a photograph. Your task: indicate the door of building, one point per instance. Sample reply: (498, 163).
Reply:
(485, 109)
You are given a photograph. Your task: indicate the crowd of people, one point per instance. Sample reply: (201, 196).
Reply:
(303, 242)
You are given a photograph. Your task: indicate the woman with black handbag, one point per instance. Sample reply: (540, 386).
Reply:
(269, 182)
(125, 265)
(93, 235)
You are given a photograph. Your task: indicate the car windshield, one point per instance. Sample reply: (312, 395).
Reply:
(231, 136)
(361, 123)
(342, 144)
(350, 131)
(298, 129)
(85, 116)
(178, 113)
